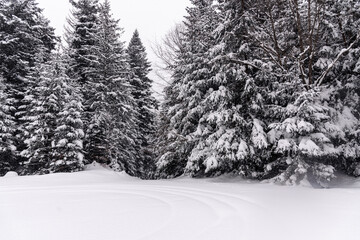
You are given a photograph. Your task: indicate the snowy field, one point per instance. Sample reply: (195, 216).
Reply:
(98, 204)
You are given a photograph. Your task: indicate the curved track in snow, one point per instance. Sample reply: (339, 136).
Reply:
(101, 205)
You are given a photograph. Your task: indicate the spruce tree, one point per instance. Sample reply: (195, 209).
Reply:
(82, 42)
(40, 119)
(347, 94)
(7, 129)
(67, 144)
(54, 130)
(230, 129)
(25, 32)
(289, 59)
(313, 57)
(182, 111)
(146, 104)
(279, 96)
(112, 133)
(82, 25)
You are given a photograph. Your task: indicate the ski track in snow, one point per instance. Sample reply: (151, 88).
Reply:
(103, 205)
(215, 204)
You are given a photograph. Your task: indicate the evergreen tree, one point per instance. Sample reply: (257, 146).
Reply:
(346, 96)
(146, 103)
(7, 129)
(230, 131)
(112, 133)
(312, 57)
(279, 92)
(83, 40)
(287, 59)
(40, 120)
(24, 32)
(82, 26)
(97, 88)
(189, 84)
(68, 153)
(52, 122)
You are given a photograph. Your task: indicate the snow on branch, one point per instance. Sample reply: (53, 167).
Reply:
(319, 81)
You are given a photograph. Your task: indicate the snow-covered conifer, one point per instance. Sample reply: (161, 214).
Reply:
(312, 55)
(83, 37)
(182, 110)
(42, 108)
(146, 104)
(24, 33)
(7, 129)
(53, 124)
(231, 128)
(82, 25)
(111, 134)
(67, 143)
(279, 96)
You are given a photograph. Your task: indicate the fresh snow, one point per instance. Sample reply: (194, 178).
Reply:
(11, 174)
(101, 204)
(308, 146)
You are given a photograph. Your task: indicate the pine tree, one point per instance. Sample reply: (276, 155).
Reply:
(292, 53)
(279, 96)
(146, 103)
(68, 153)
(83, 40)
(54, 130)
(112, 131)
(229, 130)
(41, 110)
(182, 111)
(25, 32)
(346, 96)
(82, 26)
(7, 129)
(307, 134)
(97, 88)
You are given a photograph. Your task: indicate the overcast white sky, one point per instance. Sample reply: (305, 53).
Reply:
(152, 18)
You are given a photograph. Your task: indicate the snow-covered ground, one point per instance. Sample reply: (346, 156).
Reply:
(98, 204)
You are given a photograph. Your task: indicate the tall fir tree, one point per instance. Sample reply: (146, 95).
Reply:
(112, 133)
(105, 51)
(230, 130)
(182, 111)
(53, 124)
(314, 59)
(146, 104)
(82, 25)
(7, 129)
(67, 144)
(279, 94)
(81, 37)
(24, 32)
(40, 117)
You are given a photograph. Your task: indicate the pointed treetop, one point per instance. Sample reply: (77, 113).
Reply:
(137, 56)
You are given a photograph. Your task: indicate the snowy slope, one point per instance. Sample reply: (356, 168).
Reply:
(98, 204)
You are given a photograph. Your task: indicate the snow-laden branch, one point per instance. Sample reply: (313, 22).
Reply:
(250, 64)
(319, 81)
(300, 58)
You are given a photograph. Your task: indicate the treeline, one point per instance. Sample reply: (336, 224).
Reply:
(63, 109)
(264, 89)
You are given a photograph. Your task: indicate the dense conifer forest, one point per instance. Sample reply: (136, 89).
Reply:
(262, 89)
